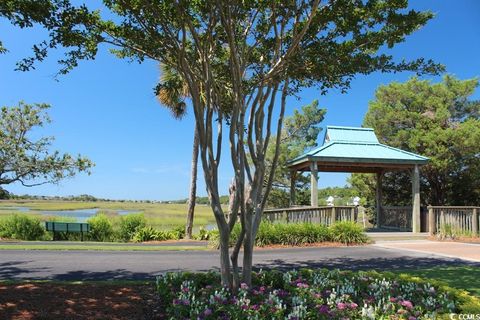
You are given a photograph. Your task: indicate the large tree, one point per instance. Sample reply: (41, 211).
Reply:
(437, 120)
(241, 60)
(30, 161)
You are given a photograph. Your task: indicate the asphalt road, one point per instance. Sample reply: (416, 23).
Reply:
(107, 265)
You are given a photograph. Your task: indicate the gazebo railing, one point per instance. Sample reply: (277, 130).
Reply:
(326, 215)
(462, 220)
(396, 217)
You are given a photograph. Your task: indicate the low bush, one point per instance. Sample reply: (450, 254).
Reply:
(101, 228)
(294, 234)
(130, 224)
(204, 234)
(348, 232)
(22, 227)
(309, 294)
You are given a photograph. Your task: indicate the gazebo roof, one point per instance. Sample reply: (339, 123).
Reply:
(349, 149)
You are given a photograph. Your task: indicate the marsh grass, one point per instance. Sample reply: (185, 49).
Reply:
(161, 216)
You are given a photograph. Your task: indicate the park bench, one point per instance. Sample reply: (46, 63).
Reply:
(66, 227)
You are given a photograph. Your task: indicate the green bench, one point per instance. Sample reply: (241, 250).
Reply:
(66, 227)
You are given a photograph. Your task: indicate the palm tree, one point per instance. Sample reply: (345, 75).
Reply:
(172, 92)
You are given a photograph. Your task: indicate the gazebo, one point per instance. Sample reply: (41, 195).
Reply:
(350, 149)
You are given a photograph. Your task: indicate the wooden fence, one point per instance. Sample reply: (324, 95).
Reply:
(458, 219)
(321, 215)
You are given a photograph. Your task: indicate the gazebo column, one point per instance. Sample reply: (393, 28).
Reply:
(378, 197)
(314, 184)
(293, 178)
(416, 199)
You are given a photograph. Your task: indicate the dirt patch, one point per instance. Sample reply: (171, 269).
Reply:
(76, 301)
(459, 239)
(316, 244)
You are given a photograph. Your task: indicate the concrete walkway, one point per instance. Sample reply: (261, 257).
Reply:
(459, 250)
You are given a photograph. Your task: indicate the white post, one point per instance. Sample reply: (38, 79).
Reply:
(293, 177)
(314, 184)
(416, 199)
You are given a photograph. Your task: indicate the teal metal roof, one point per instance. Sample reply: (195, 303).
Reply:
(351, 145)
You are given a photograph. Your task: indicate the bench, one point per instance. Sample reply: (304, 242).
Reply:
(66, 227)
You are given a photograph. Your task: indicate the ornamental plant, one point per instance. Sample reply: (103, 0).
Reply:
(304, 294)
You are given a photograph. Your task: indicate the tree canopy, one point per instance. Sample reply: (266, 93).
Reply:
(30, 161)
(240, 61)
(439, 121)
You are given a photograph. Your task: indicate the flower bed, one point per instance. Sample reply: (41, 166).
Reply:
(307, 294)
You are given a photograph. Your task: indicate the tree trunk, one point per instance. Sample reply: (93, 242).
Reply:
(193, 186)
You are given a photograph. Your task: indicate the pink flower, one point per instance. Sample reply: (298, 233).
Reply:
(341, 306)
(302, 285)
(393, 299)
(407, 304)
(244, 286)
(353, 305)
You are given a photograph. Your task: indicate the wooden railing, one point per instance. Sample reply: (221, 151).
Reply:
(458, 219)
(399, 218)
(322, 215)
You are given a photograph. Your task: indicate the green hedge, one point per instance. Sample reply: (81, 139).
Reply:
(22, 227)
(294, 234)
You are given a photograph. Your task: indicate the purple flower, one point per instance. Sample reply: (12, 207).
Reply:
(255, 307)
(186, 302)
(176, 301)
(207, 312)
(185, 289)
(262, 289)
(407, 304)
(412, 318)
(302, 285)
(244, 286)
(324, 309)
(341, 306)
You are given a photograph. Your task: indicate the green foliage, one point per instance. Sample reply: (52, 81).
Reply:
(348, 232)
(129, 224)
(148, 234)
(21, 227)
(204, 234)
(101, 228)
(295, 234)
(437, 120)
(23, 159)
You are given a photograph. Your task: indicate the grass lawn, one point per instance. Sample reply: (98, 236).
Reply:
(158, 215)
(99, 247)
(466, 278)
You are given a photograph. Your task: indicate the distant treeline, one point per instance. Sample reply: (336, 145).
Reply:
(342, 195)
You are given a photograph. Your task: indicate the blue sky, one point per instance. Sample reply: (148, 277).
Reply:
(106, 109)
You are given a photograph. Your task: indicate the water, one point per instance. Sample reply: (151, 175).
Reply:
(80, 215)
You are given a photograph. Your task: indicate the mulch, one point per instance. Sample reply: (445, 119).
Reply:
(36, 300)
(458, 239)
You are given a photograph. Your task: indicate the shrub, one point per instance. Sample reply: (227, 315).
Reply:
(22, 227)
(204, 234)
(101, 228)
(177, 233)
(151, 234)
(130, 224)
(295, 234)
(348, 232)
(309, 294)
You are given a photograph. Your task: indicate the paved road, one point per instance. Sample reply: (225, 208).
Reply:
(106, 265)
